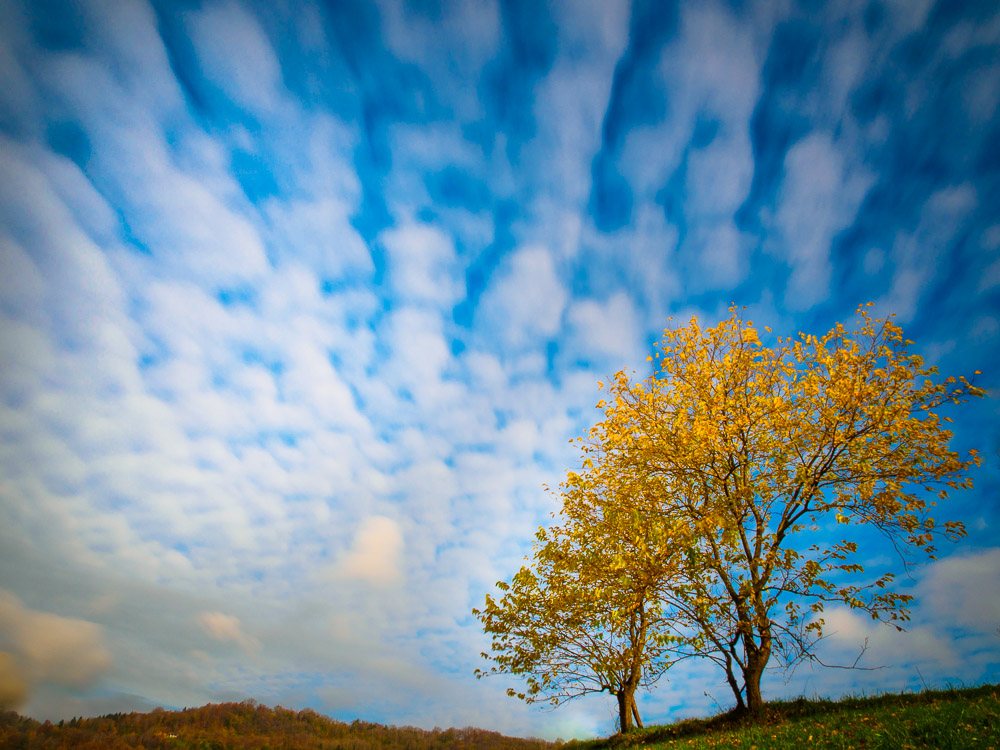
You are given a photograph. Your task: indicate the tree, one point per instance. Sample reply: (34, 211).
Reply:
(747, 454)
(584, 616)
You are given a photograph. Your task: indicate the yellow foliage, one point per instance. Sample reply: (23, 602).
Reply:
(738, 448)
(704, 495)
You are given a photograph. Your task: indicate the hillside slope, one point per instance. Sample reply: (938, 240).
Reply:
(938, 720)
(235, 726)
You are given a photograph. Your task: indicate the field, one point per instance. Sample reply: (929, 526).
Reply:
(966, 718)
(961, 718)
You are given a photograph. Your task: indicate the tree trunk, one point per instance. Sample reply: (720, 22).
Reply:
(756, 661)
(755, 701)
(635, 713)
(624, 711)
(757, 657)
(734, 685)
(627, 709)
(737, 692)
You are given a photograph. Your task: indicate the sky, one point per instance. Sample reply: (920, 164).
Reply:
(302, 303)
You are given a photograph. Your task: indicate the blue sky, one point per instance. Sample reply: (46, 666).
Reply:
(301, 304)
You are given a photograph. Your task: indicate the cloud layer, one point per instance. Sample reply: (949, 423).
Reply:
(43, 647)
(299, 309)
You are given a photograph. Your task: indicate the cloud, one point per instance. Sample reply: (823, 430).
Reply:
(914, 253)
(571, 101)
(722, 88)
(471, 34)
(236, 55)
(526, 298)
(318, 232)
(41, 647)
(723, 255)
(955, 586)
(158, 180)
(418, 356)
(422, 265)
(610, 330)
(291, 291)
(375, 556)
(953, 629)
(222, 627)
(719, 175)
(13, 685)
(819, 196)
(699, 161)
(919, 645)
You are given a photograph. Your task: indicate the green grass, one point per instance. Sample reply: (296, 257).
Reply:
(944, 719)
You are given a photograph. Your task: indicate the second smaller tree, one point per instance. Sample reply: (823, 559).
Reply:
(578, 619)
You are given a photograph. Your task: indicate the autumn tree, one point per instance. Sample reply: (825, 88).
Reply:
(585, 616)
(754, 455)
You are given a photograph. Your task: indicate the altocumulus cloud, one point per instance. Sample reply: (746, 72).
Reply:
(300, 307)
(223, 627)
(376, 553)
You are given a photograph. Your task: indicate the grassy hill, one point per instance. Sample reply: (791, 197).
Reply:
(944, 719)
(966, 718)
(242, 726)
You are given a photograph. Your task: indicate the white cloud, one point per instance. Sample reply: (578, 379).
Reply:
(921, 645)
(955, 587)
(641, 258)
(949, 601)
(469, 35)
(914, 255)
(720, 91)
(991, 238)
(819, 197)
(126, 33)
(727, 77)
(422, 265)
(723, 256)
(318, 233)
(610, 330)
(310, 378)
(236, 55)
(19, 98)
(312, 227)
(874, 261)
(419, 353)
(375, 556)
(526, 298)
(719, 175)
(990, 277)
(60, 250)
(571, 100)
(144, 173)
(222, 627)
(909, 15)
(181, 467)
(724, 85)
(22, 286)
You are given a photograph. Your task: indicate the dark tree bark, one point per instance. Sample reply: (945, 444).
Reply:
(624, 711)
(741, 707)
(627, 708)
(635, 713)
(756, 661)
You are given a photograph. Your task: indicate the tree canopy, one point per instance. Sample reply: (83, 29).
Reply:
(584, 616)
(735, 462)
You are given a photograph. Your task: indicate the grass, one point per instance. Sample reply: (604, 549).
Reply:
(943, 719)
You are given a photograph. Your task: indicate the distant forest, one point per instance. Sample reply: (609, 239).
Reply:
(226, 726)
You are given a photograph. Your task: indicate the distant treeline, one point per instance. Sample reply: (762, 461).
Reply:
(248, 725)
